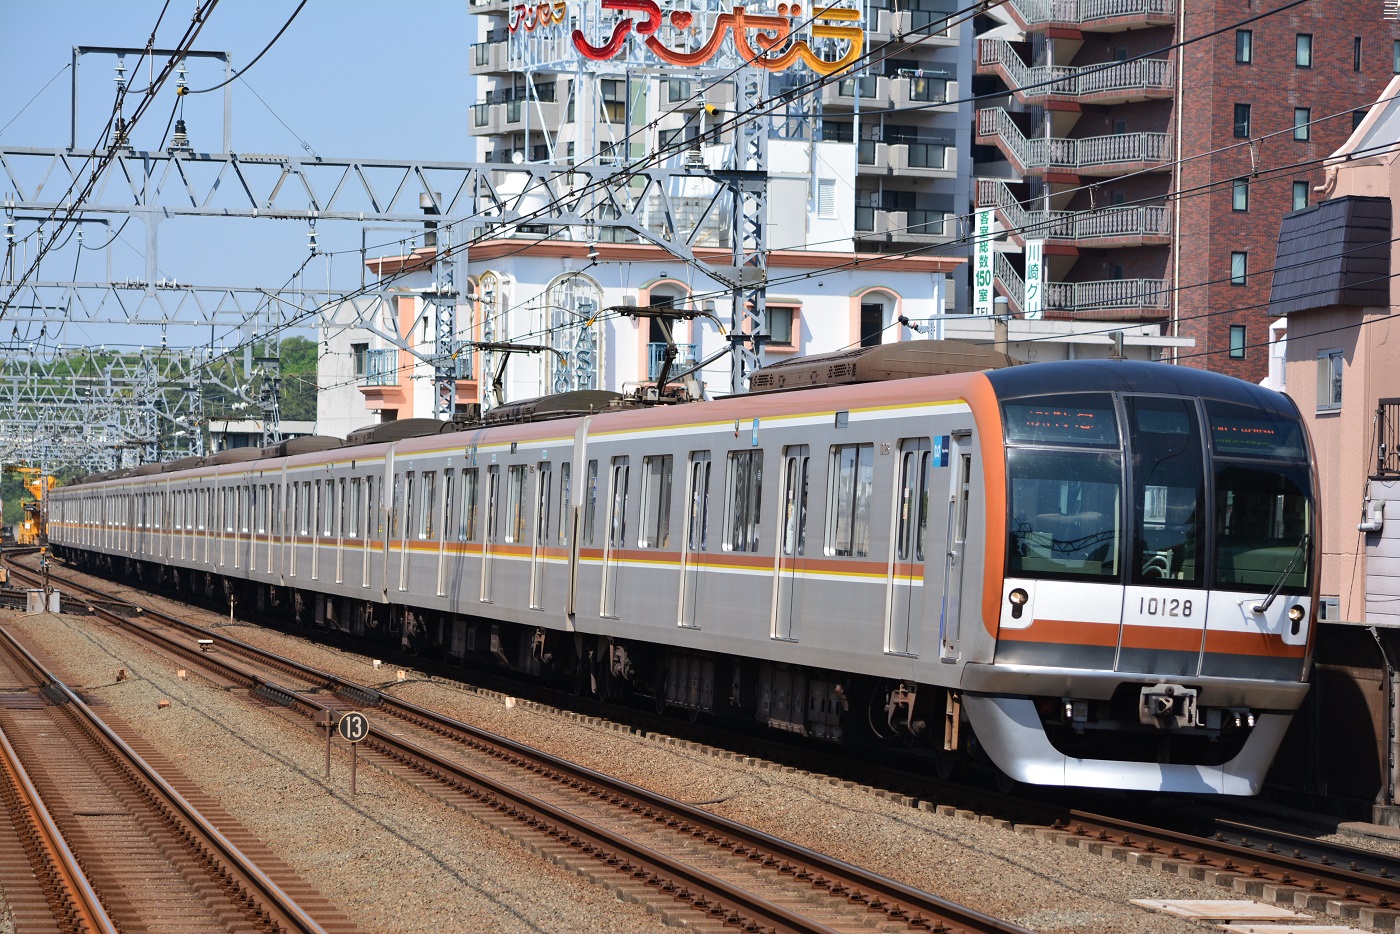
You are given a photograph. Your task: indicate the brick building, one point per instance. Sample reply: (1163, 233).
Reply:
(1086, 154)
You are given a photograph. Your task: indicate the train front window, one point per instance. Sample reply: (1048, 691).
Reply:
(1168, 487)
(1263, 527)
(1066, 513)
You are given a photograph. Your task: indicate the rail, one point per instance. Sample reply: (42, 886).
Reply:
(1038, 12)
(1387, 438)
(1107, 294)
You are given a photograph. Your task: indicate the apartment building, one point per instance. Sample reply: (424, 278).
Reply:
(543, 98)
(1151, 148)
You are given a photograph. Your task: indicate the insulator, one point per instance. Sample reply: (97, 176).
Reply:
(181, 139)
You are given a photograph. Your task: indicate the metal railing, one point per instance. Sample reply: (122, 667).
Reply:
(1070, 81)
(382, 367)
(1011, 281)
(1088, 11)
(656, 355)
(1107, 294)
(1072, 154)
(1387, 438)
(1147, 220)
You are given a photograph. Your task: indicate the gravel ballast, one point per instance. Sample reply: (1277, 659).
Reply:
(398, 861)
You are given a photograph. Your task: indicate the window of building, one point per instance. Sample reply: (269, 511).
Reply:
(1357, 116)
(1329, 380)
(1242, 121)
(1240, 195)
(743, 500)
(1244, 46)
(677, 90)
(1356, 54)
(360, 352)
(1302, 119)
(1239, 268)
(782, 325)
(1395, 56)
(1300, 195)
(1303, 50)
(1237, 341)
(852, 475)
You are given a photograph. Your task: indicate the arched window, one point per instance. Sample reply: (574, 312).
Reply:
(573, 302)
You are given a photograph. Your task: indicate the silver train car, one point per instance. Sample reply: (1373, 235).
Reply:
(1090, 573)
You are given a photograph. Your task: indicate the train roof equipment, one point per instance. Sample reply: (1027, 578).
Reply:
(901, 360)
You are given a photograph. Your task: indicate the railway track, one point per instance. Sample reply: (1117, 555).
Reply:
(113, 844)
(656, 848)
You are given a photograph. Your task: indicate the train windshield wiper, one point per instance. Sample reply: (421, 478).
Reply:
(1278, 584)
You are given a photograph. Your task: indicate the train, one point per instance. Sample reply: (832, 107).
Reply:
(1091, 573)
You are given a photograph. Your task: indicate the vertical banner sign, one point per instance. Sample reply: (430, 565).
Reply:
(1035, 278)
(982, 264)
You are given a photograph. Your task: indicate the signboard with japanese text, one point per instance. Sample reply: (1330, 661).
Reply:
(687, 34)
(1035, 279)
(982, 290)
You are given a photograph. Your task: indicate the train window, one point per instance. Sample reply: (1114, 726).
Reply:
(1072, 418)
(428, 506)
(405, 518)
(1241, 430)
(1168, 473)
(395, 509)
(467, 528)
(698, 532)
(374, 509)
(515, 503)
(656, 502)
(912, 528)
(590, 506)
(1066, 519)
(230, 515)
(617, 509)
(796, 467)
(542, 504)
(1263, 527)
(331, 511)
(449, 505)
(566, 501)
(357, 509)
(493, 502)
(744, 487)
(848, 507)
(307, 504)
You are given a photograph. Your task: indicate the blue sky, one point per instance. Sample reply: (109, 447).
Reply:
(348, 78)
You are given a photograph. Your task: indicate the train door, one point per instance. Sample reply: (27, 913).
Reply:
(448, 523)
(905, 595)
(792, 543)
(617, 535)
(696, 538)
(539, 558)
(488, 538)
(959, 495)
(318, 503)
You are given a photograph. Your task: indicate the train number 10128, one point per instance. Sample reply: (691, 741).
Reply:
(1163, 606)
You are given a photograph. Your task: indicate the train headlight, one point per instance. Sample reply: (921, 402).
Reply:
(1295, 616)
(1018, 598)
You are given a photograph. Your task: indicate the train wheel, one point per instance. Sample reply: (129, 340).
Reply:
(948, 764)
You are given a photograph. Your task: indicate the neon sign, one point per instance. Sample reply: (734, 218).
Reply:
(763, 40)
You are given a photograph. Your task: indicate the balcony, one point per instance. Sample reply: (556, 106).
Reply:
(1138, 225)
(1105, 156)
(913, 225)
(381, 367)
(930, 94)
(885, 24)
(1108, 299)
(538, 114)
(1091, 15)
(841, 96)
(656, 356)
(1119, 83)
(489, 57)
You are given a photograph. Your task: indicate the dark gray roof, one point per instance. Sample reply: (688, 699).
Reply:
(1333, 253)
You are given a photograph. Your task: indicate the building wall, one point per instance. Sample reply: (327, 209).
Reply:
(1209, 229)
